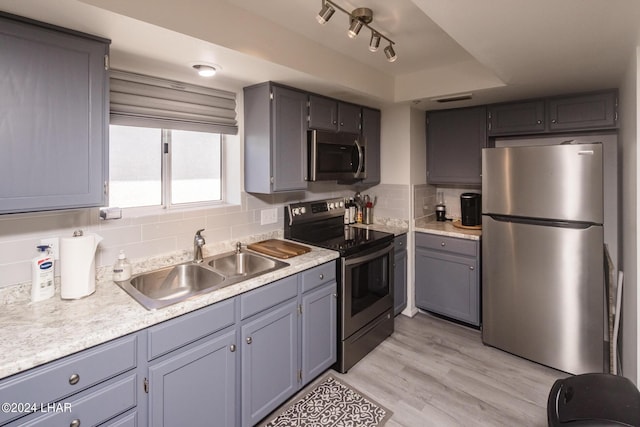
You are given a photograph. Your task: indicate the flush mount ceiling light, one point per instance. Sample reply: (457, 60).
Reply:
(205, 70)
(358, 18)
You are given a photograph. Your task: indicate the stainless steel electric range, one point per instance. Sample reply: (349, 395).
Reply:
(364, 274)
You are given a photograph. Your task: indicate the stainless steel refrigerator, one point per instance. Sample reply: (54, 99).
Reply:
(543, 255)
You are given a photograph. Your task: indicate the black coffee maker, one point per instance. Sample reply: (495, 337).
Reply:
(471, 209)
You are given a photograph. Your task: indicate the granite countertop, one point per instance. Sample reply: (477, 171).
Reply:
(36, 333)
(446, 228)
(396, 230)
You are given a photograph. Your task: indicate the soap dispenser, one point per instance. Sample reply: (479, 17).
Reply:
(122, 268)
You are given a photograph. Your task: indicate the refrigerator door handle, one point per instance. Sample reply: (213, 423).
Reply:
(543, 223)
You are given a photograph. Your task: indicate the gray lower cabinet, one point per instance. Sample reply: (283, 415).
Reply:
(289, 336)
(195, 386)
(275, 135)
(447, 276)
(269, 356)
(455, 139)
(88, 388)
(54, 109)
(400, 277)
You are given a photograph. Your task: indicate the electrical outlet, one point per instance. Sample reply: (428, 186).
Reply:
(54, 244)
(268, 216)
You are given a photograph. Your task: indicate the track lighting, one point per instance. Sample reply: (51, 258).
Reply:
(374, 42)
(391, 54)
(358, 18)
(325, 13)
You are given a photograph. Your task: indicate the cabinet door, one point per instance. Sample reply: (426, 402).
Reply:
(319, 329)
(589, 111)
(371, 135)
(54, 119)
(400, 275)
(454, 143)
(448, 284)
(516, 118)
(323, 113)
(195, 387)
(269, 357)
(289, 139)
(349, 117)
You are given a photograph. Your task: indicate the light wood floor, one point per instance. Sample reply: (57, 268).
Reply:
(432, 372)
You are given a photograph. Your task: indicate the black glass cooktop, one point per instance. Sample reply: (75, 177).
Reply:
(345, 239)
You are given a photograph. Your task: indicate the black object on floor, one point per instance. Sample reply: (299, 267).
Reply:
(593, 400)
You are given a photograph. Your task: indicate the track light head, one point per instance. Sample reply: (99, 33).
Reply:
(325, 13)
(374, 42)
(354, 28)
(390, 53)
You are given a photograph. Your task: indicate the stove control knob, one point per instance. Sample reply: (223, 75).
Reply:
(303, 210)
(342, 204)
(295, 211)
(331, 206)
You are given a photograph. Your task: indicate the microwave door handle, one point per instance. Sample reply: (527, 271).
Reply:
(360, 160)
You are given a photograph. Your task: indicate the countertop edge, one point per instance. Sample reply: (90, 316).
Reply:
(446, 229)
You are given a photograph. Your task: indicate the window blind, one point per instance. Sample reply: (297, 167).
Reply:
(146, 101)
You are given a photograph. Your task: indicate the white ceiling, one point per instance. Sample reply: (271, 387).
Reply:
(496, 49)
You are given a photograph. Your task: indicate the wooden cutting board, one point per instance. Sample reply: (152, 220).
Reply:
(278, 248)
(458, 224)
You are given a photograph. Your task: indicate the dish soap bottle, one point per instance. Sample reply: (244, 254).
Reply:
(42, 286)
(122, 268)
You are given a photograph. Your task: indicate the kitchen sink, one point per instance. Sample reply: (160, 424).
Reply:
(160, 288)
(245, 264)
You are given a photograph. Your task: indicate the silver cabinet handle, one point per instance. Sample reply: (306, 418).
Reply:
(335, 295)
(75, 423)
(443, 244)
(554, 121)
(539, 122)
(232, 348)
(472, 268)
(73, 379)
(249, 340)
(321, 276)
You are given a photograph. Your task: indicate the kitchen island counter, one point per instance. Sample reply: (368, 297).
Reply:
(33, 334)
(446, 228)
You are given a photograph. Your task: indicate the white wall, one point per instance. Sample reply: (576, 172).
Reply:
(395, 144)
(629, 102)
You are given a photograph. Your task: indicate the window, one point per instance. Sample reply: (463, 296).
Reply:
(162, 167)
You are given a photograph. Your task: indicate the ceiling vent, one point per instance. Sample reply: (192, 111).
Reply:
(452, 98)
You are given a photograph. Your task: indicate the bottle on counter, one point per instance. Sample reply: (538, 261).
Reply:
(122, 268)
(347, 212)
(352, 211)
(42, 286)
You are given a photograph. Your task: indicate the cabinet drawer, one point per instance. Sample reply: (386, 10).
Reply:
(449, 244)
(70, 375)
(188, 328)
(316, 276)
(89, 409)
(268, 296)
(400, 243)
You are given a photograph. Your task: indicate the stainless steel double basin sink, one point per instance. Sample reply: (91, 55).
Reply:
(160, 288)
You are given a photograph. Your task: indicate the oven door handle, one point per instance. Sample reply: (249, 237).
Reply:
(360, 160)
(368, 257)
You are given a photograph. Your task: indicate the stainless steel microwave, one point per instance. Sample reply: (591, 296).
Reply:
(336, 156)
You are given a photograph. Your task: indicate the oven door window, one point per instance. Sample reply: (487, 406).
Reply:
(333, 158)
(370, 283)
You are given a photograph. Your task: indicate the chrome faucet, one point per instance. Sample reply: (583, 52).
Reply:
(198, 243)
(238, 247)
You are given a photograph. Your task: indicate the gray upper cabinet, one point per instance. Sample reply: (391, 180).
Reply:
(596, 110)
(588, 111)
(371, 134)
(275, 139)
(516, 118)
(54, 109)
(333, 115)
(455, 139)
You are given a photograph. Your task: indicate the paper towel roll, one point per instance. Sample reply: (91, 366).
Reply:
(78, 266)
